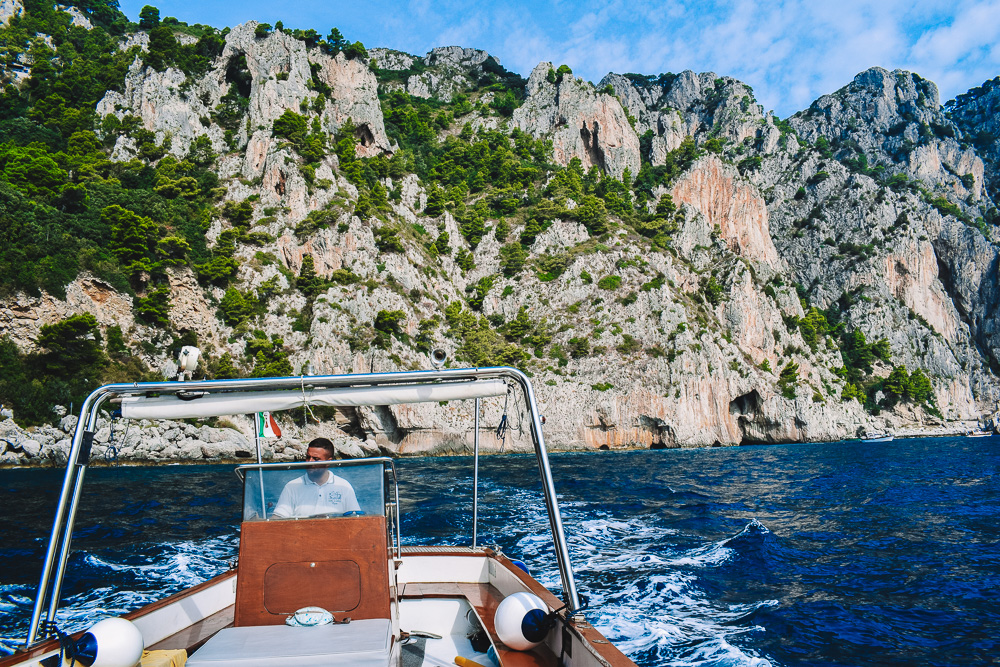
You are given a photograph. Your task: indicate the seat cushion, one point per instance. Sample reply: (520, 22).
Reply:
(364, 643)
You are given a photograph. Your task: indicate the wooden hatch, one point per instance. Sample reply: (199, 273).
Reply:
(338, 564)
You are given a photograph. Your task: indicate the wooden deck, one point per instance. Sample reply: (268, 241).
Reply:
(192, 637)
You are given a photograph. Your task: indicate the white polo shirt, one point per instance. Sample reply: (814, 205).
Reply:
(303, 497)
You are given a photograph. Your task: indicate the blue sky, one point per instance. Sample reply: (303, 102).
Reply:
(789, 51)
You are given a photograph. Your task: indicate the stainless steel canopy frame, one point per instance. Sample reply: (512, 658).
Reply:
(57, 553)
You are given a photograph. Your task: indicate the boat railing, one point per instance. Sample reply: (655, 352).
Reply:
(195, 399)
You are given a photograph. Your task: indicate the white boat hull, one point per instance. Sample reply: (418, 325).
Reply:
(437, 588)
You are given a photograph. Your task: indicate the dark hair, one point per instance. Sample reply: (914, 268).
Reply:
(323, 443)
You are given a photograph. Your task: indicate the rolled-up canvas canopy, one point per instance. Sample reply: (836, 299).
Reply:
(247, 402)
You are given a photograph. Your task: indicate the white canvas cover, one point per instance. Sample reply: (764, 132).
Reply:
(363, 643)
(247, 402)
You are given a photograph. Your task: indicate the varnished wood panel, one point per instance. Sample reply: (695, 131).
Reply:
(361, 540)
(196, 634)
(336, 582)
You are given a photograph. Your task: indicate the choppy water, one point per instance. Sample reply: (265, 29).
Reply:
(826, 554)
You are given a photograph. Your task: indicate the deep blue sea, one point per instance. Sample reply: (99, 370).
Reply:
(813, 554)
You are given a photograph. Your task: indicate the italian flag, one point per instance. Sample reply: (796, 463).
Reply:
(266, 426)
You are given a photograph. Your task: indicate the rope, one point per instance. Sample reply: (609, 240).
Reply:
(111, 453)
(501, 432)
(67, 648)
(306, 408)
(520, 411)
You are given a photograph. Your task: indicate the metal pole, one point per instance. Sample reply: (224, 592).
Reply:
(55, 542)
(50, 553)
(67, 538)
(260, 473)
(57, 580)
(62, 510)
(548, 486)
(475, 481)
(395, 491)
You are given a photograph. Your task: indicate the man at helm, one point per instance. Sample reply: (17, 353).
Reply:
(318, 491)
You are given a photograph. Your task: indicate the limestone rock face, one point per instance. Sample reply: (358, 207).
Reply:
(441, 73)
(24, 315)
(164, 440)
(895, 120)
(355, 95)
(975, 114)
(156, 98)
(266, 59)
(189, 310)
(581, 122)
(673, 107)
(644, 339)
(967, 265)
(472, 60)
(845, 237)
(390, 59)
(724, 200)
(911, 273)
(140, 39)
(9, 9)
(78, 18)
(279, 66)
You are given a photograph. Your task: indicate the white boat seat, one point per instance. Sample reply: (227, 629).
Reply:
(363, 643)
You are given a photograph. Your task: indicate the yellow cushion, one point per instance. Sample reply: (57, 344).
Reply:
(172, 658)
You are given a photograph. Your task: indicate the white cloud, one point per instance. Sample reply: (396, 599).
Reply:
(976, 27)
(467, 33)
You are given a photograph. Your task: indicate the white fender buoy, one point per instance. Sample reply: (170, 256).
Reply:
(522, 621)
(113, 642)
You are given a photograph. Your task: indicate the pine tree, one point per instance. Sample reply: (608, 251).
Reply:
(309, 282)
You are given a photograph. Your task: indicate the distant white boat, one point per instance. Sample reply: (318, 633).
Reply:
(978, 433)
(877, 437)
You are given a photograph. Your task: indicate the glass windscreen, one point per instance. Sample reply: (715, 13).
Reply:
(319, 491)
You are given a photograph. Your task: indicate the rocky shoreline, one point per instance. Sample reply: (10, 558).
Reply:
(673, 265)
(147, 442)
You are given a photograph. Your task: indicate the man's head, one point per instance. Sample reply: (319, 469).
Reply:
(319, 449)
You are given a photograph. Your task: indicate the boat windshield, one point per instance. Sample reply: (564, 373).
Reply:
(318, 490)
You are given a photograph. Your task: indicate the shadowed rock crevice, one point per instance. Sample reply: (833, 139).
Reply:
(948, 283)
(663, 434)
(754, 425)
(747, 404)
(349, 421)
(980, 319)
(387, 424)
(364, 135)
(238, 74)
(591, 140)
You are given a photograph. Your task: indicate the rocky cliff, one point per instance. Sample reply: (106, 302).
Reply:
(674, 266)
(976, 114)
(583, 123)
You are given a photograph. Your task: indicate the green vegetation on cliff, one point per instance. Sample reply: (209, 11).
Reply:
(454, 226)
